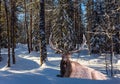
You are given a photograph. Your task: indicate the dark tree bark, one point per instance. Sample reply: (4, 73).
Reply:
(112, 55)
(43, 50)
(13, 29)
(30, 33)
(78, 21)
(0, 32)
(89, 21)
(26, 27)
(8, 31)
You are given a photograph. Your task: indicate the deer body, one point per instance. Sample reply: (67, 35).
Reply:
(81, 71)
(73, 69)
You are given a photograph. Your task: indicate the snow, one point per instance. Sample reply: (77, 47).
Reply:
(27, 69)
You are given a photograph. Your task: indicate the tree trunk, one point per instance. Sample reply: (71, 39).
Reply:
(26, 27)
(0, 32)
(13, 29)
(43, 50)
(112, 55)
(78, 21)
(89, 21)
(30, 33)
(8, 31)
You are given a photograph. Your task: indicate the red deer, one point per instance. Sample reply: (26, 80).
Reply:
(73, 69)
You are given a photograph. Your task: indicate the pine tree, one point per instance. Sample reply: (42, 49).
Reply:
(63, 32)
(78, 25)
(90, 18)
(26, 26)
(98, 36)
(111, 14)
(35, 21)
(49, 10)
(43, 50)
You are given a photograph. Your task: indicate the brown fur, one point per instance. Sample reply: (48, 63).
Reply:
(73, 69)
(65, 68)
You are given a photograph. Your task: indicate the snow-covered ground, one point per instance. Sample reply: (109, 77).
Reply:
(28, 71)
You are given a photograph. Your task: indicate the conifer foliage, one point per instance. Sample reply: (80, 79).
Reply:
(63, 32)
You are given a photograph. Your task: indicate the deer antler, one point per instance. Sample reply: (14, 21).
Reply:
(52, 46)
(80, 47)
